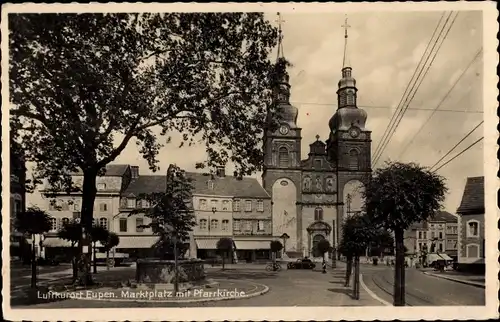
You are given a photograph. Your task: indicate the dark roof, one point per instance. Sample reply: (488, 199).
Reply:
(443, 216)
(223, 186)
(112, 170)
(228, 186)
(473, 197)
(146, 184)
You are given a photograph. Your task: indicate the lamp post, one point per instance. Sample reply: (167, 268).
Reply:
(176, 270)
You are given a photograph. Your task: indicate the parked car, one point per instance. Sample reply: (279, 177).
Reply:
(304, 263)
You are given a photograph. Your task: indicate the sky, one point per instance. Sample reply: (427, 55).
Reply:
(383, 55)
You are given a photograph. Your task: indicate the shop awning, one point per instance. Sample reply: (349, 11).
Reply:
(58, 242)
(137, 241)
(446, 257)
(206, 243)
(252, 244)
(433, 257)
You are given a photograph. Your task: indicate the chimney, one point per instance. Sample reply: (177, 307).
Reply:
(134, 172)
(221, 171)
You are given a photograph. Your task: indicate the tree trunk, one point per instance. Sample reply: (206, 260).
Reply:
(334, 259)
(348, 271)
(223, 260)
(356, 278)
(399, 271)
(107, 259)
(88, 197)
(33, 262)
(94, 256)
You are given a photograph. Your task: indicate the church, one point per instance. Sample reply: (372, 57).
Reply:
(312, 197)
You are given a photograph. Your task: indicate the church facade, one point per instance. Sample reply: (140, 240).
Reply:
(311, 197)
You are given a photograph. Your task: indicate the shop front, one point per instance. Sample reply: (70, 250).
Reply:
(253, 250)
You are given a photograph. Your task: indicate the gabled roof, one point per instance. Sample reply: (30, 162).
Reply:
(227, 186)
(222, 186)
(473, 197)
(112, 170)
(443, 216)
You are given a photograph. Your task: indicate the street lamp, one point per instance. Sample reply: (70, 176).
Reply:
(176, 271)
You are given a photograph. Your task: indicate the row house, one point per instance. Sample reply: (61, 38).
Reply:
(64, 207)
(471, 227)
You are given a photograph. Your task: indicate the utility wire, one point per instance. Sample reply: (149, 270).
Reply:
(441, 102)
(453, 148)
(459, 154)
(408, 86)
(405, 108)
(388, 107)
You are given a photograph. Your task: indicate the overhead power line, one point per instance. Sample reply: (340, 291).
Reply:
(441, 102)
(459, 154)
(453, 148)
(418, 83)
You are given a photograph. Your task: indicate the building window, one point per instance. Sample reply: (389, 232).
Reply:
(317, 164)
(76, 206)
(203, 224)
(215, 204)
(203, 204)
(260, 205)
(472, 251)
(354, 159)
(283, 157)
(248, 205)
(103, 207)
(260, 225)
(425, 235)
(440, 235)
(225, 224)
(225, 205)
(93, 221)
(131, 203)
(236, 205)
(440, 247)
(432, 225)
(64, 221)
(138, 223)
(318, 214)
(103, 222)
(76, 216)
(473, 228)
(64, 205)
(53, 224)
(237, 225)
(433, 235)
(350, 98)
(123, 225)
(214, 223)
(101, 186)
(210, 184)
(419, 235)
(419, 246)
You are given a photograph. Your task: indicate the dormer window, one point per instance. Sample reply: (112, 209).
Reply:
(210, 184)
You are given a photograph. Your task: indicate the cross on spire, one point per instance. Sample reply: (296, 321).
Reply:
(280, 21)
(345, 26)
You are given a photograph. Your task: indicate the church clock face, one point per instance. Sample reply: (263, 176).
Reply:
(354, 132)
(284, 129)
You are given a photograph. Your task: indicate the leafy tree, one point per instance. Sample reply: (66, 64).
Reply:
(171, 212)
(33, 221)
(225, 247)
(83, 86)
(382, 242)
(101, 235)
(112, 241)
(397, 196)
(275, 247)
(323, 247)
(357, 233)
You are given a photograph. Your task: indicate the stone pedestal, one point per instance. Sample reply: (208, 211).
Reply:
(155, 273)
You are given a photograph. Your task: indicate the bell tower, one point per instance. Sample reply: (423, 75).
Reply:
(281, 176)
(349, 142)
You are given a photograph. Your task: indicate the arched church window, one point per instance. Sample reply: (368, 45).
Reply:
(354, 159)
(283, 157)
(342, 98)
(318, 214)
(350, 98)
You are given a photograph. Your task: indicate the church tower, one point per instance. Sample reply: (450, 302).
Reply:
(349, 142)
(281, 175)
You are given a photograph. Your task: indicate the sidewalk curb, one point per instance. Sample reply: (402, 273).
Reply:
(371, 293)
(457, 280)
(200, 300)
